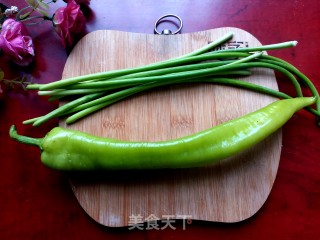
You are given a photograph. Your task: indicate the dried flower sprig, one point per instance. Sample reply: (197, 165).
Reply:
(21, 82)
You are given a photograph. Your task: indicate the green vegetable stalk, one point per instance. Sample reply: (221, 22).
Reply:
(71, 150)
(93, 92)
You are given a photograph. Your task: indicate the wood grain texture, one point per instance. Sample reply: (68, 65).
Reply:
(231, 191)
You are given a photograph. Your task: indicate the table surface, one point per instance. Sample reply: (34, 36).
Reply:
(38, 203)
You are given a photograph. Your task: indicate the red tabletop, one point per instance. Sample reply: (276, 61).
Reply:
(38, 203)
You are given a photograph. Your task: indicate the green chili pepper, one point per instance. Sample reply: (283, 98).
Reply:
(64, 149)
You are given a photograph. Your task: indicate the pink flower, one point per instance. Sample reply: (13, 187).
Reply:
(84, 2)
(68, 22)
(15, 43)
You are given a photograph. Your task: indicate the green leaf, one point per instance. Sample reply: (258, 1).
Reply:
(23, 16)
(43, 5)
(44, 13)
(33, 3)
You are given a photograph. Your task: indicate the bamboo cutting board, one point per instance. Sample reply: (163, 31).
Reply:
(231, 191)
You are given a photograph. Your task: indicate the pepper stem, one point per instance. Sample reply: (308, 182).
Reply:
(23, 139)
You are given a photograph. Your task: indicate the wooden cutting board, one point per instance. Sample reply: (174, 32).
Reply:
(231, 191)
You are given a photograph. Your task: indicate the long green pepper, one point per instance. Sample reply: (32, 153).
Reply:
(64, 149)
